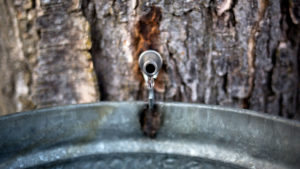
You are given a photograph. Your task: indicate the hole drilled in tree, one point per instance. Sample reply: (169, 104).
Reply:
(150, 68)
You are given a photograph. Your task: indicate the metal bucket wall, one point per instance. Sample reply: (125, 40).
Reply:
(109, 135)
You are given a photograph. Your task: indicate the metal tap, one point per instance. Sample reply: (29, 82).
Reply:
(150, 63)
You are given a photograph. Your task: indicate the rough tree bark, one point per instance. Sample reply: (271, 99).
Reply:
(227, 52)
(45, 58)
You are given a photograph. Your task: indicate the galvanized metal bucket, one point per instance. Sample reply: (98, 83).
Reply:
(109, 135)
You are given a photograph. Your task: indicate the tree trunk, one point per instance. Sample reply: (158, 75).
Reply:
(227, 52)
(45, 58)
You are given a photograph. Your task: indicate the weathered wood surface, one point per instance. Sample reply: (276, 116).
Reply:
(226, 52)
(45, 58)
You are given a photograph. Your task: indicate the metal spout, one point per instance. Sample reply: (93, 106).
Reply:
(150, 63)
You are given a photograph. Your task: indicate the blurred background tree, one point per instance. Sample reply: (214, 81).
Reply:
(228, 52)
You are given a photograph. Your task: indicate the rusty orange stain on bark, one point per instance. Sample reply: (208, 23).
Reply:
(145, 36)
